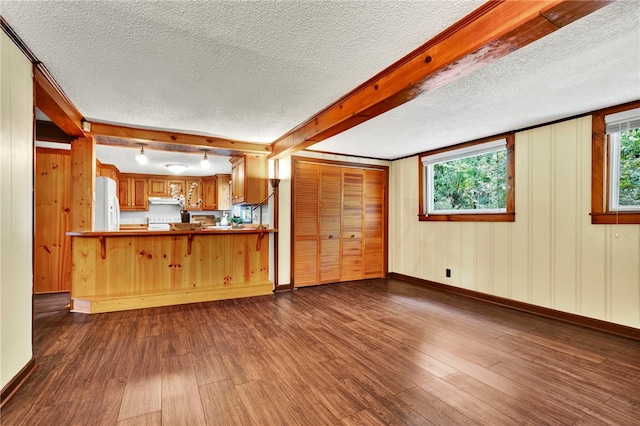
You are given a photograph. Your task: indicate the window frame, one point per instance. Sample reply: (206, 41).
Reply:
(601, 173)
(470, 216)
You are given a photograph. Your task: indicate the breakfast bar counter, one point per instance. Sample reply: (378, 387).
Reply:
(122, 270)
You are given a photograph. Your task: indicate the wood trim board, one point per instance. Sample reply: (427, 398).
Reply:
(17, 381)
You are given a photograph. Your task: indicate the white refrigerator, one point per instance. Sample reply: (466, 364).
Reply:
(107, 207)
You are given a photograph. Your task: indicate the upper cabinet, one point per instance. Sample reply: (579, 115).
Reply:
(224, 192)
(132, 193)
(108, 170)
(248, 179)
(215, 192)
(192, 193)
(159, 187)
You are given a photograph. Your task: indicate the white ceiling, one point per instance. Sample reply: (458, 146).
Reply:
(254, 70)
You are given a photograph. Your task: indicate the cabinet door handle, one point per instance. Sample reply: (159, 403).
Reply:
(330, 236)
(352, 235)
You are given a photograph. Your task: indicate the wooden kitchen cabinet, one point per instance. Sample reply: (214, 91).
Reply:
(215, 192)
(159, 187)
(196, 193)
(339, 222)
(108, 170)
(132, 193)
(210, 193)
(248, 179)
(179, 187)
(224, 191)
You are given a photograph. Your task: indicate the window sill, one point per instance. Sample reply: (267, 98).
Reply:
(613, 218)
(469, 217)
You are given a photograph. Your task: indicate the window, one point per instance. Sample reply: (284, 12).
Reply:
(615, 190)
(623, 132)
(469, 182)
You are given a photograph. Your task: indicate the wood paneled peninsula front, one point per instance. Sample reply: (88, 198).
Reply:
(116, 271)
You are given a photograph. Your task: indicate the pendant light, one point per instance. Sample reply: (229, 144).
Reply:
(141, 158)
(205, 163)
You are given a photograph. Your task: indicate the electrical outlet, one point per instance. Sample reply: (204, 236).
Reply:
(448, 272)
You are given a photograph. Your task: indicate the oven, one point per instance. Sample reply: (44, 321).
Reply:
(161, 223)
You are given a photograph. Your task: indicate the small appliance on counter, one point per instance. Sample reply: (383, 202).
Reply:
(161, 223)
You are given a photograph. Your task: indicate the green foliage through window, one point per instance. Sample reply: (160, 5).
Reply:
(629, 174)
(471, 183)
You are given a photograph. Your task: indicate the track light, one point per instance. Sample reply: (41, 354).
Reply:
(205, 163)
(141, 158)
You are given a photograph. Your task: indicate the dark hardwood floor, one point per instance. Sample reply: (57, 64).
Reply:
(362, 353)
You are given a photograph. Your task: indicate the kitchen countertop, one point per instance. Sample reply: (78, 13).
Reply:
(216, 230)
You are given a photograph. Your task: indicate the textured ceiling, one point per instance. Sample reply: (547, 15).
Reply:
(254, 70)
(590, 64)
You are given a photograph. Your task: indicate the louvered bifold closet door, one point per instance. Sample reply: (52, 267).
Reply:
(352, 220)
(374, 239)
(330, 208)
(305, 228)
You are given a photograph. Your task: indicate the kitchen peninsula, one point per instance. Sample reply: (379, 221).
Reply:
(122, 270)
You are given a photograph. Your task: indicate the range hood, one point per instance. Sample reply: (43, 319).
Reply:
(163, 200)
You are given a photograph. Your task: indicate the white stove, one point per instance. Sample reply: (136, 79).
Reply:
(161, 223)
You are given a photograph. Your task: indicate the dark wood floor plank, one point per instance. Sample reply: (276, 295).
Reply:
(102, 405)
(434, 409)
(627, 404)
(151, 419)
(362, 418)
(365, 352)
(221, 404)
(256, 396)
(464, 403)
(586, 399)
(520, 409)
(297, 376)
(181, 404)
(209, 367)
(387, 407)
(143, 391)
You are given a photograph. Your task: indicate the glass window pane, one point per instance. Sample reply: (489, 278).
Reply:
(629, 171)
(471, 183)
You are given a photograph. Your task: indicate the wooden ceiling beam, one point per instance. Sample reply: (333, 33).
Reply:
(214, 144)
(48, 131)
(52, 101)
(491, 32)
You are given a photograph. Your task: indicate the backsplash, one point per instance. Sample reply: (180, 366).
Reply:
(160, 210)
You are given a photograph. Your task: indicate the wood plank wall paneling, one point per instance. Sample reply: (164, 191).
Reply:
(145, 271)
(52, 251)
(16, 211)
(83, 175)
(551, 256)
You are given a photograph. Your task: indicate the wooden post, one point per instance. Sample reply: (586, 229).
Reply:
(83, 178)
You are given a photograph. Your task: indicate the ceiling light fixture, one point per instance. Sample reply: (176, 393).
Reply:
(205, 163)
(176, 168)
(141, 158)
